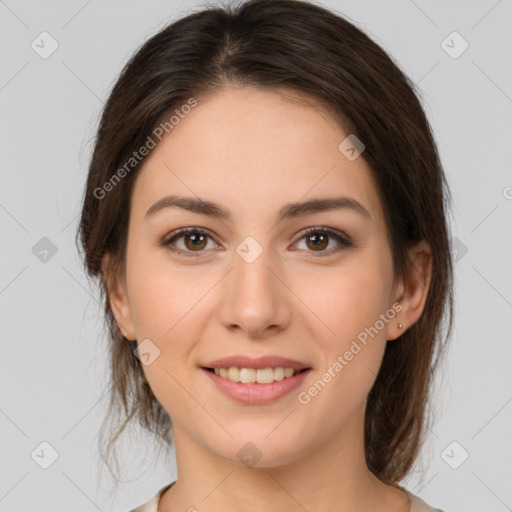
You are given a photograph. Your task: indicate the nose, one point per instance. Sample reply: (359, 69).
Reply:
(255, 298)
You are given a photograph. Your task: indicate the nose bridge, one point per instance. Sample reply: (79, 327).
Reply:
(252, 270)
(255, 297)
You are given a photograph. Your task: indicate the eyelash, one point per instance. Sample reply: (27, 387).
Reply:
(344, 242)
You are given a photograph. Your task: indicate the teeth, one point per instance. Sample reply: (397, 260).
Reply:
(246, 375)
(288, 372)
(234, 374)
(250, 375)
(280, 372)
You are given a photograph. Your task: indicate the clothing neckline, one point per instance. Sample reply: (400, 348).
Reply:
(416, 504)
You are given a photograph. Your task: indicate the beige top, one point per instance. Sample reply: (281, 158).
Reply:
(417, 504)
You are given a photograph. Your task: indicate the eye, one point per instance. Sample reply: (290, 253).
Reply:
(195, 240)
(319, 238)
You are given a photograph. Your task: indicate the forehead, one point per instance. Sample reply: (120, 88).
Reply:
(255, 150)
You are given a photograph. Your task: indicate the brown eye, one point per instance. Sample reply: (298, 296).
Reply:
(195, 241)
(318, 239)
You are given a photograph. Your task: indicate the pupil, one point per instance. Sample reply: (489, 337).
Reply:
(196, 239)
(320, 239)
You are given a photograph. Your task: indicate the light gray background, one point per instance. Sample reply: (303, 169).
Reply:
(52, 362)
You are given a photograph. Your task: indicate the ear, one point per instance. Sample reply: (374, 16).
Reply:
(117, 297)
(413, 290)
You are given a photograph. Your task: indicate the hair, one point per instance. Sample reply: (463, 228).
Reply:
(300, 47)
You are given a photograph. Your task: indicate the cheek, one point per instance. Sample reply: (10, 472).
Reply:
(348, 302)
(161, 297)
(166, 309)
(347, 299)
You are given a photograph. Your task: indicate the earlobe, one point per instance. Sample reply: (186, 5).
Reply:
(412, 293)
(117, 297)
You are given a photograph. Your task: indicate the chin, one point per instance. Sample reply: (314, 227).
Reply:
(256, 451)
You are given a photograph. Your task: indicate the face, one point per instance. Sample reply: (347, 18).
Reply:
(254, 283)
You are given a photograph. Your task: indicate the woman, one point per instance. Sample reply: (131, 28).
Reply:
(266, 212)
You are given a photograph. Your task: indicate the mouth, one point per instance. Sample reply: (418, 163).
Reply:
(255, 375)
(256, 380)
(256, 386)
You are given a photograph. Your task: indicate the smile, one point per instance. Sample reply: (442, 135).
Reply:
(252, 392)
(252, 375)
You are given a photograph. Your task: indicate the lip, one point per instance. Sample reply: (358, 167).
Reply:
(254, 393)
(257, 363)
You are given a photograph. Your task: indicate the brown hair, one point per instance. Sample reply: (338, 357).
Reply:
(302, 47)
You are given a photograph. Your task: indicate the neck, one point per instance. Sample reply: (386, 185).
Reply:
(332, 476)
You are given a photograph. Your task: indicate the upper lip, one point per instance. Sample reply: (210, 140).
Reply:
(256, 363)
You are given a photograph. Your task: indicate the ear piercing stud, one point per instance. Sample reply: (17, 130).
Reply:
(400, 326)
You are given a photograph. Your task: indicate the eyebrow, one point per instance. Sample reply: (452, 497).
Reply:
(288, 211)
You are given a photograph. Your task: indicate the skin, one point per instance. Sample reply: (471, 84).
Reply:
(252, 151)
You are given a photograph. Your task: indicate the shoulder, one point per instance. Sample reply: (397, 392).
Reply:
(152, 504)
(418, 505)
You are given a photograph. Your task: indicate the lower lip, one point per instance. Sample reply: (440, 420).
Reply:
(254, 393)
